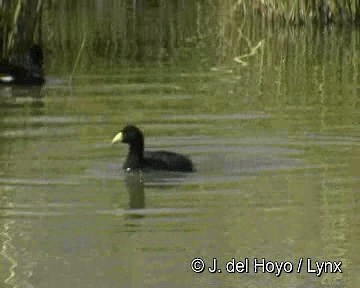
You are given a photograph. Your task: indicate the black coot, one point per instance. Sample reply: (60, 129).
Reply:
(23, 70)
(138, 159)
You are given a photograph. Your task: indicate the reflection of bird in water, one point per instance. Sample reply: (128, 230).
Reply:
(24, 70)
(137, 181)
(138, 159)
(135, 186)
(20, 96)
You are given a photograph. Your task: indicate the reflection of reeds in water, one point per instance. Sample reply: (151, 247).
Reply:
(20, 24)
(8, 251)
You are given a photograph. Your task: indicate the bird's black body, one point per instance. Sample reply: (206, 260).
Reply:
(23, 70)
(138, 159)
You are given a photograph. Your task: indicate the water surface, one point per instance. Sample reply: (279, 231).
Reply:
(276, 148)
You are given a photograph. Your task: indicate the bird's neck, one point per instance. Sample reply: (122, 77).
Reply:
(136, 152)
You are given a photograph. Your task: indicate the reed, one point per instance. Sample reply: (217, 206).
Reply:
(20, 24)
(78, 57)
(300, 12)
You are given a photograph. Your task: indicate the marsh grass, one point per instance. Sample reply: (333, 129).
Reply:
(20, 22)
(300, 12)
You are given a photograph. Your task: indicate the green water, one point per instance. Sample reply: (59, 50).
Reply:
(275, 144)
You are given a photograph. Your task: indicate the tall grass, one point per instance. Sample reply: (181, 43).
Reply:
(20, 22)
(299, 12)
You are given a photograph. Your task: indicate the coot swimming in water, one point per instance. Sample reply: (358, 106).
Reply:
(24, 70)
(138, 159)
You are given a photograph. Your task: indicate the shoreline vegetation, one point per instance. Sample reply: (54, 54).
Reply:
(22, 22)
(301, 12)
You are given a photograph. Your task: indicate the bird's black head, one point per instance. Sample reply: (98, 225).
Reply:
(131, 135)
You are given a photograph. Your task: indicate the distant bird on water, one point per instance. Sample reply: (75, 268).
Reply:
(23, 70)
